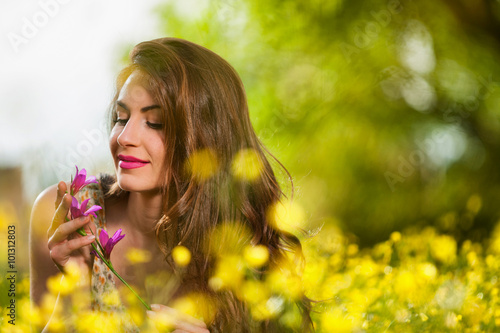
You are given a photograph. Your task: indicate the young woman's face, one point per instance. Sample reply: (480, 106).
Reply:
(136, 140)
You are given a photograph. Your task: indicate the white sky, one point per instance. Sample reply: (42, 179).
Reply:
(57, 85)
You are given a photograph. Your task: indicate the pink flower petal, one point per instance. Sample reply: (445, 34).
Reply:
(92, 210)
(84, 204)
(117, 237)
(75, 208)
(103, 237)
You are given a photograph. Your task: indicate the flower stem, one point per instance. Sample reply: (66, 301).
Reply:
(110, 266)
(124, 282)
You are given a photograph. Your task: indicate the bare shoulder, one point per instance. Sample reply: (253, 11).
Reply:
(43, 209)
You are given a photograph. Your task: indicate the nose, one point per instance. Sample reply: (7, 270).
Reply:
(129, 135)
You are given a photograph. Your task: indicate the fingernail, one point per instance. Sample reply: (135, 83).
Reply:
(155, 307)
(90, 237)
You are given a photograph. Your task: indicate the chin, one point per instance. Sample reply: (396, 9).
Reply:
(133, 185)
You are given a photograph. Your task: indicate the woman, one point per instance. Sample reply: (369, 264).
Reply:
(179, 120)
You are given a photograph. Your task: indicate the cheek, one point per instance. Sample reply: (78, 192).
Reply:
(158, 147)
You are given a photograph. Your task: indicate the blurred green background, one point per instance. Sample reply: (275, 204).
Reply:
(386, 113)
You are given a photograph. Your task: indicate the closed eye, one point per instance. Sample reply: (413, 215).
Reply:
(120, 121)
(155, 125)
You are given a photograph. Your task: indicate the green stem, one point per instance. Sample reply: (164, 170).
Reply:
(124, 282)
(110, 266)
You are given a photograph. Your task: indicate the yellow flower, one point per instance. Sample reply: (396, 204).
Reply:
(285, 283)
(256, 256)
(196, 305)
(472, 258)
(97, 322)
(228, 273)
(163, 321)
(202, 164)
(352, 249)
(444, 249)
(185, 305)
(287, 215)
(56, 325)
(59, 284)
(254, 291)
(138, 256)
(314, 273)
(111, 298)
(428, 271)
(336, 321)
(30, 312)
(247, 165)
(266, 309)
(396, 236)
(230, 238)
(404, 284)
(181, 255)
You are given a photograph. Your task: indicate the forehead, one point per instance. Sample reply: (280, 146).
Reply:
(134, 90)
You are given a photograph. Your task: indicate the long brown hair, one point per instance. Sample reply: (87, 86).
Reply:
(205, 109)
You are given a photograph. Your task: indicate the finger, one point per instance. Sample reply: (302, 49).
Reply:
(60, 254)
(61, 189)
(78, 243)
(85, 252)
(60, 214)
(66, 229)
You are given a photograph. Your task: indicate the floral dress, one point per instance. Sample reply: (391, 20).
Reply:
(104, 294)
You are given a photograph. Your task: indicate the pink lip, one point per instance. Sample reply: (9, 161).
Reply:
(130, 162)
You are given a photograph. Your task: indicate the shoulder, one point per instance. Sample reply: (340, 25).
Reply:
(44, 205)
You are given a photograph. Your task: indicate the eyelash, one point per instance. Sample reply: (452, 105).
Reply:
(156, 126)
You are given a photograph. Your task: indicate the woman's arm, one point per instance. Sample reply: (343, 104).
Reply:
(41, 265)
(53, 242)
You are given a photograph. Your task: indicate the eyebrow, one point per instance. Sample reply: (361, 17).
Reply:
(144, 109)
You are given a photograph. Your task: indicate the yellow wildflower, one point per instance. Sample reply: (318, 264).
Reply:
(202, 164)
(181, 255)
(247, 165)
(287, 215)
(444, 249)
(137, 256)
(256, 256)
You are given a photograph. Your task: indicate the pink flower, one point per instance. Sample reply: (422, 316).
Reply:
(78, 210)
(81, 181)
(109, 243)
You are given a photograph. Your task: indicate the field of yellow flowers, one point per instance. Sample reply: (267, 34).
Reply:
(416, 281)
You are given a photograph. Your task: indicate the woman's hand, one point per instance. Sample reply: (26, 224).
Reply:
(182, 322)
(63, 240)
